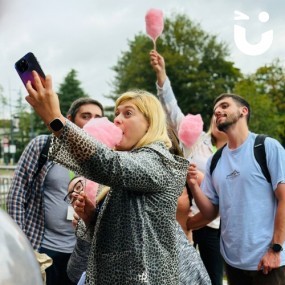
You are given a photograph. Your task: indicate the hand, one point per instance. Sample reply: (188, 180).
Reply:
(43, 99)
(84, 208)
(192, 175)
(158, 64)
(269, 261)
(75, 220)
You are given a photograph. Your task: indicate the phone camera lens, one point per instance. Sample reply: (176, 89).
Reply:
(22, 65)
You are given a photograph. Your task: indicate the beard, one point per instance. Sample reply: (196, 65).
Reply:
(230, 121)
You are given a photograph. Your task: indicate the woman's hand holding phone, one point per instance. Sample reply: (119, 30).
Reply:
(41, 95)
(25, 65)
(43, 99)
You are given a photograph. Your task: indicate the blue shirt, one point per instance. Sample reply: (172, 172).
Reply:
(247, 202)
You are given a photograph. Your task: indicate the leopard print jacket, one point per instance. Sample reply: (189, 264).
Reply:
(133, 241)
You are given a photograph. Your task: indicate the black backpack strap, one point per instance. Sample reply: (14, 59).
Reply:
(216, 158)
(260, 155)
(43, 156)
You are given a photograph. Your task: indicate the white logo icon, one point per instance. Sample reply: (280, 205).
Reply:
(240, 36)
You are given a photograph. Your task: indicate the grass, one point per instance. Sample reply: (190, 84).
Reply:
(6, 172)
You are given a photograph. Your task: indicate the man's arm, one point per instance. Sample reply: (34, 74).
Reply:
(207, 208)
(279, 222)
(272, 259)
(197, 221)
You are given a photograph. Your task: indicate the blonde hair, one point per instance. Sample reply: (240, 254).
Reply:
(151, 108)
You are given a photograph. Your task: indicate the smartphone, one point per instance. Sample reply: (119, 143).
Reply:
(26, 65)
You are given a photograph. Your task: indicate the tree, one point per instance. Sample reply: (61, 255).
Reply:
(264, 117)
(69, 91)
(267, 97)
(195, 61)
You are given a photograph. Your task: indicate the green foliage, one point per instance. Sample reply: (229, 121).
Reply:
(269, 83)
(264, 116)
(195, 61)
(69, 91)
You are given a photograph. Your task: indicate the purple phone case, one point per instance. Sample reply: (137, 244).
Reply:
(26, 65)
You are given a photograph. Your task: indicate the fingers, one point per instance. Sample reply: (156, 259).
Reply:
(30, 100)
(48, 83)
(154, 58)
(153, 61)
(37, 81)
(75, 220)
(79, 205)
(153, 53)
(193, 175)
(268, 262)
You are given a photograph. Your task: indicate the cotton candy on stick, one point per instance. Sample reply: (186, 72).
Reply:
(154, 24)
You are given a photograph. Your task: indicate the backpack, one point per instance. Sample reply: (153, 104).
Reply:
(259, 154)
(42, 158)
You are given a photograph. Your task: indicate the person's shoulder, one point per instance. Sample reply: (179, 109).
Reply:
(268, 139)
(271, 142)
(160, 149)
(157, 146)
(37, 143)
(40, 139)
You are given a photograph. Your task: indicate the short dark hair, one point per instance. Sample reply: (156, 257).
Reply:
(82, 101)
(238, 99)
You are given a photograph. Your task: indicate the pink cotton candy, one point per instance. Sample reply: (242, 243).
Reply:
(154, 23)
(109, 134)
(104, 131)
(190, 129)
(91, 189)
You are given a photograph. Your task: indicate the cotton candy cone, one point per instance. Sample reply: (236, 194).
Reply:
(190, 129)
(154, 23)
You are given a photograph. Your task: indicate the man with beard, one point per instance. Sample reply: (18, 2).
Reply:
(252, 210)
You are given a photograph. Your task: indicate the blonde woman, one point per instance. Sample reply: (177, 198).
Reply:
(133, 241)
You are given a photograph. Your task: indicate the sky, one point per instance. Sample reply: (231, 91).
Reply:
(90, 36)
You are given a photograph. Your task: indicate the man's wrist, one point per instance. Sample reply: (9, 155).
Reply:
(276, 247)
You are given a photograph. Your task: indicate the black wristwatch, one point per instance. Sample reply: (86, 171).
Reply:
(276, 247)
(56, 125)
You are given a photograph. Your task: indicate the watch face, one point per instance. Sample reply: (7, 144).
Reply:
(277, 247)
(56, 125)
